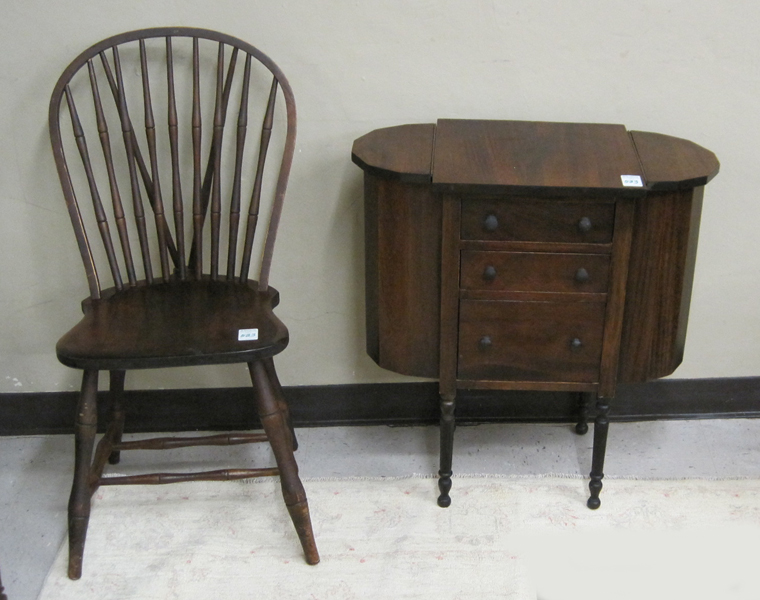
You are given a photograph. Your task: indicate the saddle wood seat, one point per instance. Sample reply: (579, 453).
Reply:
(180, 323)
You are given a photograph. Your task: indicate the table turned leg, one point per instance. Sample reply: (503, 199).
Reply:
(601, 426)
(584, 399)
(448, 424)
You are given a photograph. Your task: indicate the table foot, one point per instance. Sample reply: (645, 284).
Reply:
(444, 485)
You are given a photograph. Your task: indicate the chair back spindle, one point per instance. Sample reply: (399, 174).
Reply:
(195, 78)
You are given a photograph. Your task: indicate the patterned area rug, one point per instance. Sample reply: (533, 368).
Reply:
(515, 538)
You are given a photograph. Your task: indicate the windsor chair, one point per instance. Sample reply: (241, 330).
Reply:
(190, 195)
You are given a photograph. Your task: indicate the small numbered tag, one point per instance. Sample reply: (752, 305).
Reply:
(632, 181)
(246, 335)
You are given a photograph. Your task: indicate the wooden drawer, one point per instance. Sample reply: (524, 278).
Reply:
(535, 271)
(530, 341)
(537, 220)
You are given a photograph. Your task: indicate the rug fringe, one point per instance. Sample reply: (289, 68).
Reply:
(507, 477)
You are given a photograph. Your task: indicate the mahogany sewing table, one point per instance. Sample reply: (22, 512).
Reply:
(532, 256)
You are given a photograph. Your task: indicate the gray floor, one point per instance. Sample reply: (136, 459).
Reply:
(35, 472)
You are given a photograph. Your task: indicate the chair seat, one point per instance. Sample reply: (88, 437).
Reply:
(178, 323)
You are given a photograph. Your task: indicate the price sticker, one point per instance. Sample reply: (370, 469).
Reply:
(632, 181)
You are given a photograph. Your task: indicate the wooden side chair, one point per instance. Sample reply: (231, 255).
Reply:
(168, 216)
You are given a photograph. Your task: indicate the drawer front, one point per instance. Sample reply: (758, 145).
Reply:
(535, 271)
(530, 341)
(537, 220)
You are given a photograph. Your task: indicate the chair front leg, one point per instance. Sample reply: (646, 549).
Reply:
(79, 502)
(276, 429)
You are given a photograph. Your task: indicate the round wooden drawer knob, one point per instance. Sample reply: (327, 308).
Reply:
(491, 223)
(489, 273)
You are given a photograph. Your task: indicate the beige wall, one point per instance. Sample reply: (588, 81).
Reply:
(685, 68)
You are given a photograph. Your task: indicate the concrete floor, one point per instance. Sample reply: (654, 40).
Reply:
(35, 472)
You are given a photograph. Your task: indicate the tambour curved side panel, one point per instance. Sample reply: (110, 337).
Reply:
(403, 288)
(663, 254)
(660, 276)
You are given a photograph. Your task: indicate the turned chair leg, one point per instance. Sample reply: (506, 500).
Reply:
(276, 429)
(269, 365)
(116, 411)
(447, 426)
(601, 427)
(79, 501)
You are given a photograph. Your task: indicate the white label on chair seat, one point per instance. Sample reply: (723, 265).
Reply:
(245, 335)
(632, 181)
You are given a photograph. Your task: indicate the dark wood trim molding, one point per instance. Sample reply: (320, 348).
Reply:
(384, 404)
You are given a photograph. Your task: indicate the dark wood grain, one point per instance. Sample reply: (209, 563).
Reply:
(673, 163)
(616, 294)
(611, 344)
(170, 443)
(402, 290)
(535, 271)
(601, 430)
(100, 215)
(276, 428)
(404, 152)
(190, 313)
(554, 274)
(167, 478)
(255, 205)
(235, 200)
(156, 196)
(85, 428)
(663, 258)
(530, 341)
(447, 376)
(174, 324)
(131, 148)
(173, 130)
(531, 219)
(570, 158)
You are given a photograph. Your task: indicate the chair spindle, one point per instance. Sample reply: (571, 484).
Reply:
(130, 146)
(144, 173)
(100, 215)
(177, 204)
(216, 190)
(150, 134)
(242, 128)
(118, 208)
(253, 210)
(209, 180)
(196, 255)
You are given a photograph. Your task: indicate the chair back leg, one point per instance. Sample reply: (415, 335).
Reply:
(275, 381)
(116, 411)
